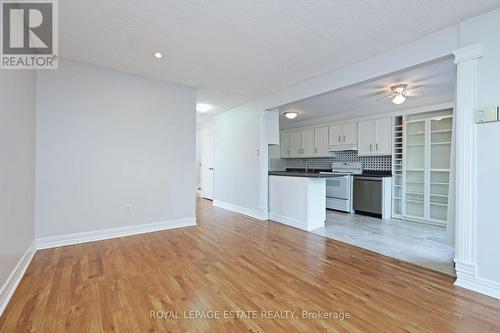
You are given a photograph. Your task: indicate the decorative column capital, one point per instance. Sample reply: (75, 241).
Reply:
(471, 52)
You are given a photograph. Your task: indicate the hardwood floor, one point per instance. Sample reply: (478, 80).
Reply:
(231, 262)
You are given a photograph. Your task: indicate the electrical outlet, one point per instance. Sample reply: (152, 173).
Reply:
(129, 209)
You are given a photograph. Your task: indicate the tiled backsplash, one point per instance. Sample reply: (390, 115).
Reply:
(375, 163)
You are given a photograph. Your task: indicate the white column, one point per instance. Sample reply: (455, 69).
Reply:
(465, 175)
(269, 134)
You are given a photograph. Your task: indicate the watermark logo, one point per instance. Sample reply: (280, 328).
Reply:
(29, 34)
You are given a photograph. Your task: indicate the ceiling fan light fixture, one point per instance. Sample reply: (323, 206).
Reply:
(291, 115)
(399, 88)
(398, 99)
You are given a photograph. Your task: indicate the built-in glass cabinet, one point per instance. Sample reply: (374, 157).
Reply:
(424, 181)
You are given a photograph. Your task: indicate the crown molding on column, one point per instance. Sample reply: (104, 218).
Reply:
(471, 52)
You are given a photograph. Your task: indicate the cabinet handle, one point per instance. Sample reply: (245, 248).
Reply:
(370, 147)
(339, 138)
(376, 147)
(344, 138)
(288, 153)
(315, 150)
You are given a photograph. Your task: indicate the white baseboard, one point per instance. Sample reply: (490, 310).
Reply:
(15, 277)
(17, 274)
(288, 221)
(478, 284)
(241, 210)
(92, 236)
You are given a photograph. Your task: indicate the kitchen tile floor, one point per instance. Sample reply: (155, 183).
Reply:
(420, 244)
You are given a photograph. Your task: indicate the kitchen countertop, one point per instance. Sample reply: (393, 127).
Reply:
(299, 174)
(317, 174)
(375, 175)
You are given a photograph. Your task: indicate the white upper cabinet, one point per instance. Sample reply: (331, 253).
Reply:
(285, 144)
(375, 137)
(336, 135)
(365, 138)
(383, 136)
(372, 138)
(308, 143)
(296, 144)
(350, 133)
(321, 141)
(344, 134)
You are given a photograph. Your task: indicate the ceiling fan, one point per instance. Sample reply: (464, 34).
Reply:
(399, 93)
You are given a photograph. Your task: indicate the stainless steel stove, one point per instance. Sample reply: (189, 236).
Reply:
(339, 187)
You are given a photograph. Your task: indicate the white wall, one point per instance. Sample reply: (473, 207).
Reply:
(107, 140)
(484, 30)
(236, 145)
(17, 167)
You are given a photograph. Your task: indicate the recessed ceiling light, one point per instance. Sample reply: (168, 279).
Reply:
(201, 107)
(291, 115)
(158, 55)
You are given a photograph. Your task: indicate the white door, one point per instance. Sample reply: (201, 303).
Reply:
(296, 144)
(383, 136)
(321, 141)
(365, 138)
(207, 167)
(350, 133)
(308, 142)
(285, 145)
(336, 135)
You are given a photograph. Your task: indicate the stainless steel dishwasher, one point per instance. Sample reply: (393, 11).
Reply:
(367, 195)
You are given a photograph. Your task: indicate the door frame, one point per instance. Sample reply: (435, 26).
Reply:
(211, 134)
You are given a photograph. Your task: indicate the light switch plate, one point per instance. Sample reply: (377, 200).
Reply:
(487, 114)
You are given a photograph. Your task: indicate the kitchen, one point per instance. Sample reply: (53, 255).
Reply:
(360, 166)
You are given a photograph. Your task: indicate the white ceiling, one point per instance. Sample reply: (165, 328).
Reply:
(435, 82)
(239, 50)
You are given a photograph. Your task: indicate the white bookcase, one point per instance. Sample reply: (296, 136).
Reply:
(426, 169)
(397, 168)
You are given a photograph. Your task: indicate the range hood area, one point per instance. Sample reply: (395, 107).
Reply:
(336, 148)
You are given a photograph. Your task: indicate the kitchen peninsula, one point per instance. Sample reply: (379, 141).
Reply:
(298, 199)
